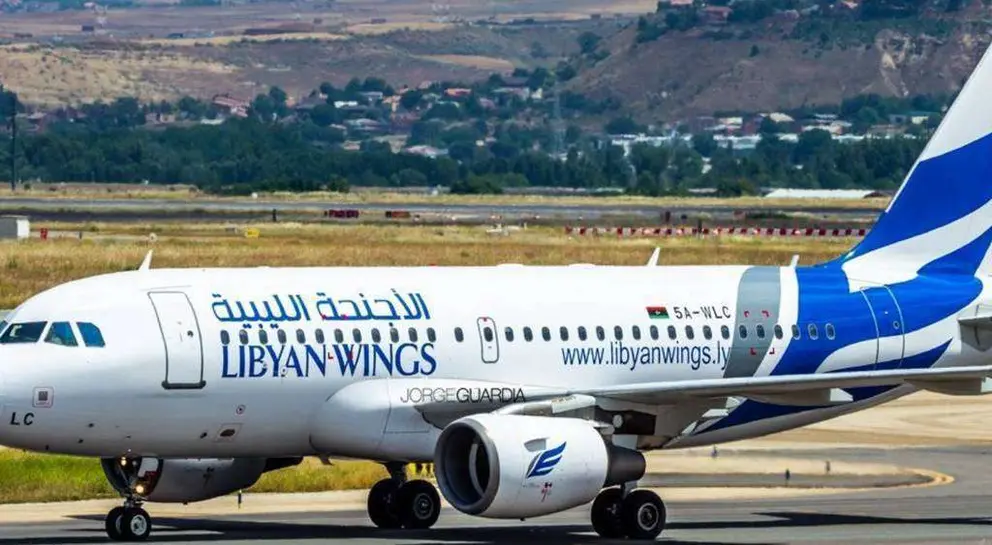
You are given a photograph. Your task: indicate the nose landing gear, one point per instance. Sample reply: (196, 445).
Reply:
(128, 523)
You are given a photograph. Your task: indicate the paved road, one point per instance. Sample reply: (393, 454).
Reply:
(960, 512)
(506, 210)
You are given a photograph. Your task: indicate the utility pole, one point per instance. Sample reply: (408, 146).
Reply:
(13, 141)
(13, 138)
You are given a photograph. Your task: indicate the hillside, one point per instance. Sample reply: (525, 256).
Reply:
(780, 65)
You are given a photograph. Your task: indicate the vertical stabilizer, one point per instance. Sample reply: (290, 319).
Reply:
(940, 220)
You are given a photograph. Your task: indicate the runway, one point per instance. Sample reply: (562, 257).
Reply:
(959, 512)
(69, 209)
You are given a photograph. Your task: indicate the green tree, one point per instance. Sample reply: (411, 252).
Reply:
(588, 42)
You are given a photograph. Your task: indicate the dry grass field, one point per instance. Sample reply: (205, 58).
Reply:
(33, 265)
(58, 76)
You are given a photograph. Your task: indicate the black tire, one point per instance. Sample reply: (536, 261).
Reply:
(113, 524)
(136, 525)
(643, 514)
(418, 505)
(606, 513)
(381, 504)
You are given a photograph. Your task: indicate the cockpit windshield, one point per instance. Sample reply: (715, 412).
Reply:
(26, 332)
(91, 334)
(61, 333)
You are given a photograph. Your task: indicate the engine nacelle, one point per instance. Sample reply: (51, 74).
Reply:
(187, 480)
(510, 466)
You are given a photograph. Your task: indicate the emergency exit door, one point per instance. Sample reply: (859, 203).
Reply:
(181, 337)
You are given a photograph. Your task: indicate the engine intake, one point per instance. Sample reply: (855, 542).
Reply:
(510, 466)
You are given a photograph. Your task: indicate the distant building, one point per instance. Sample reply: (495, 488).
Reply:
(787, 193)
(235, 106)
(426, 151)
(14, 227)
(716, 15)
(457, 92)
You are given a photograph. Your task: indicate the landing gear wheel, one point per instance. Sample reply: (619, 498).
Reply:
(418, 505)
(136, 525)
(382, 498)
(606, 513)
(643, 515)
(113, 524)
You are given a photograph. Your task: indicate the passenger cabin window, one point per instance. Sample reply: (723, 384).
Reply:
(725, 332)
(813, 334)
(707, 332)
(394, 334)
(319, 335)
(376, 336)
(654, 332)
(563, 331)
(281, 335)
(672, 332)
(545, 333)
(795, 332)
(356, 334)
(27, 332)
(689, 334)
(225, 338)
(431, 335)
(742, 330)
(831, 333)
(413, 334)
(618, 332)
(760, 331)
(508, 333)
(459, 336)
(338, 336)
(242, 336)
(487, 333)
(778, 332)
(635, 332)
(263, 336)
(582, 333)
(91, 335)
(528, 334)
(61, 334)
(600, 333)
(301, 337)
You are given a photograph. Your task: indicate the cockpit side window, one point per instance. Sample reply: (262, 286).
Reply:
(3, 325)
(91, 334)
(61, 333)
(27, 332)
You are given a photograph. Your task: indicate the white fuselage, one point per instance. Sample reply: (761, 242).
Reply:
(206, 381)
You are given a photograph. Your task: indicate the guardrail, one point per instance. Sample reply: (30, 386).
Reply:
(714, 231)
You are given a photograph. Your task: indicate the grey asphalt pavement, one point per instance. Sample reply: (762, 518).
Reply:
(959, 512)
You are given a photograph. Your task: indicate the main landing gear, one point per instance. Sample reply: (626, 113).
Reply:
(398, 503)
(128, 523)
(639, 514)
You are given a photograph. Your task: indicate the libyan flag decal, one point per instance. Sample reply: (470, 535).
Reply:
(658, 313)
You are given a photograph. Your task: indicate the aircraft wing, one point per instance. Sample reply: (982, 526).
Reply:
(813, 389)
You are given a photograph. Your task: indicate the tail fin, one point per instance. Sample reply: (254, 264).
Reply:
(941, 218)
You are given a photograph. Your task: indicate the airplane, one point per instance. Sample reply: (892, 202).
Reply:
(532, 389)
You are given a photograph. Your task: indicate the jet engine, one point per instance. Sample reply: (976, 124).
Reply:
(187, 480)
(513, 466)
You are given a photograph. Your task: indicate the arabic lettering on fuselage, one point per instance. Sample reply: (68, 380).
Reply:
(293, 308)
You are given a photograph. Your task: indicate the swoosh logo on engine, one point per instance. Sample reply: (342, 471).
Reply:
(543, 463)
